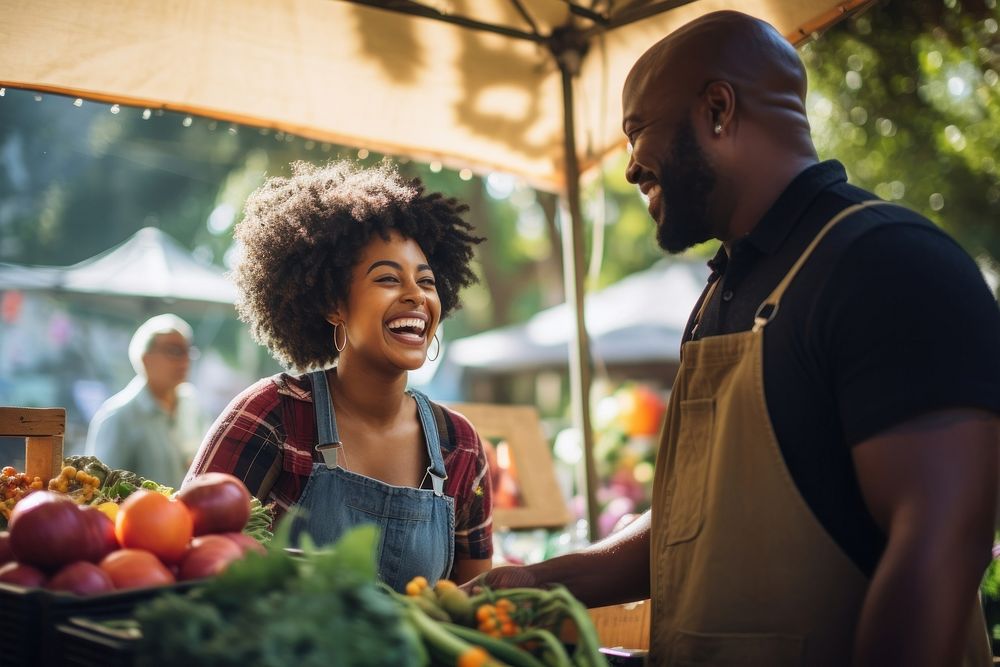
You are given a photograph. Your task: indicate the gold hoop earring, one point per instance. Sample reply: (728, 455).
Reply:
(340, 348)
(438, 353)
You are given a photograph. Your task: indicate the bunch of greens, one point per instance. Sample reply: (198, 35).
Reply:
(259, 524)
(321, 608)
(115, 485)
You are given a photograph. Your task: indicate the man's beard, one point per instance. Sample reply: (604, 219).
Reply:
(687, 181)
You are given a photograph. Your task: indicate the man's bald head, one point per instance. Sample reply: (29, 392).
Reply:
(762, 67)
(715, 113)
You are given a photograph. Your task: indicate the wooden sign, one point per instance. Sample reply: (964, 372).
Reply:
(526, 493)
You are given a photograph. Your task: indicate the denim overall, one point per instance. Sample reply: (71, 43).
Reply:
(417, 526)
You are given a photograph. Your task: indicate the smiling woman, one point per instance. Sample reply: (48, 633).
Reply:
(347, 273)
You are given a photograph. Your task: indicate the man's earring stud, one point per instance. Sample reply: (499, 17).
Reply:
(718, 128)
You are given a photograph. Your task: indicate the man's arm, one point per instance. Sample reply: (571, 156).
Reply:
(931, 484)
(466, 569)
(612, 571)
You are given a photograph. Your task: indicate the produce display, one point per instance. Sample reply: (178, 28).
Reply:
(326, 607)
(97, 530)
(14, 486)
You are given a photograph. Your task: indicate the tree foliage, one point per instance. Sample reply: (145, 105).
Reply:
(906, 95)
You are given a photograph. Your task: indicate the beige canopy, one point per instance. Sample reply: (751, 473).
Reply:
(528, 87)
(472, 83)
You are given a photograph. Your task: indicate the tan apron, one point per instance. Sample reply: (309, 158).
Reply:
(742, 573)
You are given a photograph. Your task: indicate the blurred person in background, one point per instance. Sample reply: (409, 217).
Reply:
(153, 426)
(347, 272)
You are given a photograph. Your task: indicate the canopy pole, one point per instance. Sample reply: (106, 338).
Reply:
(573, 276)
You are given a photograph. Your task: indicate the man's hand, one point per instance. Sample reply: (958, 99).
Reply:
(613, 571)
(506, 576)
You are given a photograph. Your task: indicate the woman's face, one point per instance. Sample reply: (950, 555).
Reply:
(393, 308)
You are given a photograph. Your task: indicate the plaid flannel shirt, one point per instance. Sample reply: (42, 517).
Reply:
(266, 437)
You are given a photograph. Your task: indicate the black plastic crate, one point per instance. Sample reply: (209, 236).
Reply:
(20, 625)
(85, 643)
(28, 618)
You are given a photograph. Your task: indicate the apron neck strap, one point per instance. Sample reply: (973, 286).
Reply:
(769, 308)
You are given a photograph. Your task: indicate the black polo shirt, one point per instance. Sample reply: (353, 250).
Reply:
(888, 319)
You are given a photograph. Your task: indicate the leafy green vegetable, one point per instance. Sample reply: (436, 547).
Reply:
(120, 484)
(259, 524)
(90, 465)
(321, 608)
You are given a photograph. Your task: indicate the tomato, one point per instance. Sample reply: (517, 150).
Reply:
(81, 578)
(245, 542)
(20, 574)
(219, 503)
(151, 521)
(47, 530)
(136, 568)
(99, 538)
(208, 556)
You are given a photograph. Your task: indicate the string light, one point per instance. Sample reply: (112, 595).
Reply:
(146, 113)
(187, 121)
(435, 166)
(465, 174)
(3, 91)
(78, 102)
(115, 109)
(363, 153)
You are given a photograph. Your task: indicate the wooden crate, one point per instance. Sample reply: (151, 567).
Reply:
(624, 625)
(42, 430)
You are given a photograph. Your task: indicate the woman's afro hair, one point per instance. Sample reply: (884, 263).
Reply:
(302, 235)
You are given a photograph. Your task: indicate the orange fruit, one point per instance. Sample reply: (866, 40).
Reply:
(135, 568)
(151, 521)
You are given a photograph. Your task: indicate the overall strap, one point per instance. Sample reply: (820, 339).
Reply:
(769, 308)
(328, 440)
(436, 468)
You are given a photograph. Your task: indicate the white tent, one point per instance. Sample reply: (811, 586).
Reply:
(149, 265)
(639, 319)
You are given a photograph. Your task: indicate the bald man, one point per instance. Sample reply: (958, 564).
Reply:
(826, 486)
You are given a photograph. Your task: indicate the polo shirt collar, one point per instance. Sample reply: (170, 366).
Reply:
(768, 235)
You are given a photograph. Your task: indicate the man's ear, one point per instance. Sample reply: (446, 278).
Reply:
(720, 106)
